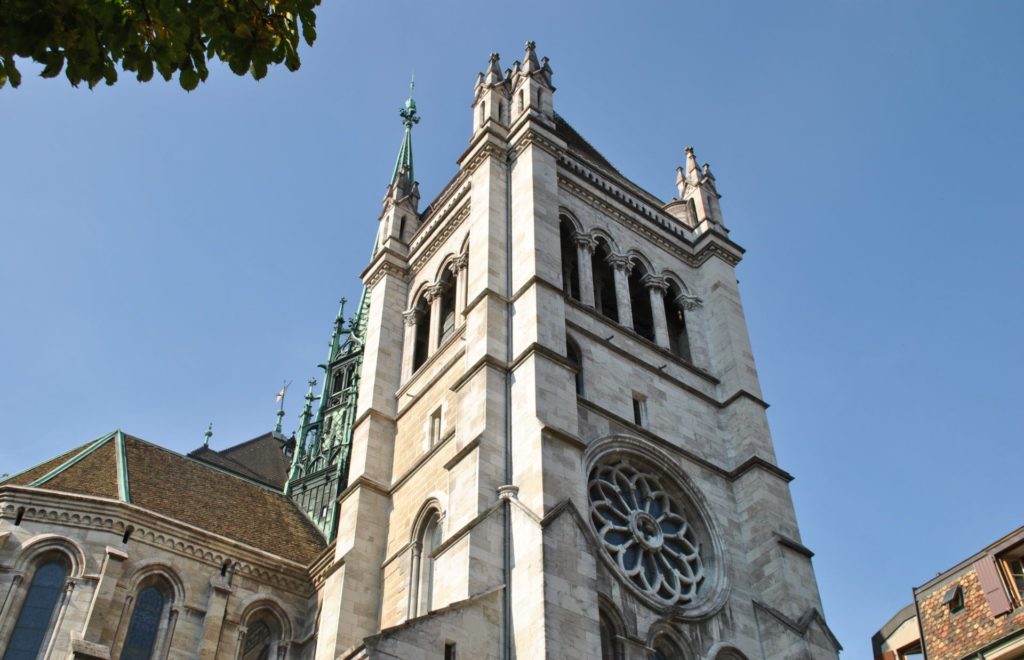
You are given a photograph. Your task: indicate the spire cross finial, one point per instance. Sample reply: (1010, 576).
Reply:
(208, 435)
(280, 410)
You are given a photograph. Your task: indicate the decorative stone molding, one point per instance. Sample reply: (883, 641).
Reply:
(458, 264)
(621, 262)
(433, 292)
(689, 302)
(655, 282)
(412, 317)
(446, 230)
(381, 270)
(585, 241)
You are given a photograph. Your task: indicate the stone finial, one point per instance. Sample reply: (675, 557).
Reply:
(530, 62)
(494, 75)
(692, 169)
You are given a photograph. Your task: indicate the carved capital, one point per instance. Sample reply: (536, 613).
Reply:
(585, 241)
(433, 292)
(457, 264)
(621, 262)
(688, 302)
(655, 283)
(412, 317)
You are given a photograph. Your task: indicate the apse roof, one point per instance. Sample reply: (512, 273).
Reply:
(122, 467)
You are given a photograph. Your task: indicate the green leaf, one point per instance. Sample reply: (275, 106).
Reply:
(54, 65)
(188, 79)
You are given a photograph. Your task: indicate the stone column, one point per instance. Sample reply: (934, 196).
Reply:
(458, 268)
(622, 267)
(656, 287)
(695, 330)
(433, 296)
(412, 319)
(585, 245)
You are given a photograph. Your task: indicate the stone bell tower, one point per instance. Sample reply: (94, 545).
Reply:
(558, 446)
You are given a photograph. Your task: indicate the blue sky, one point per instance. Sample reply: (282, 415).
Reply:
(167, 259)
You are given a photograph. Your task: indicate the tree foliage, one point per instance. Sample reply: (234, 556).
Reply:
(87, 39)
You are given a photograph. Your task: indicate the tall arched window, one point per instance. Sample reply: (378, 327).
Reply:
(262, 637)
(604, 281)
(675, 320)
(38, 609)
(570, 265)
(572, 352)
(421, 346)
(427, 541)
(144, 626)
(611, 629)
(446, 322)
(640, 302)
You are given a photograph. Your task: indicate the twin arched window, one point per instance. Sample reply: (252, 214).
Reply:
(32, 628)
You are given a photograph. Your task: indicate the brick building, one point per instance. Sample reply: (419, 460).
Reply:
(973, 610)
(541, 435)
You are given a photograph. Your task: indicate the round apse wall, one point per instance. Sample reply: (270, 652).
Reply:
(653, 530)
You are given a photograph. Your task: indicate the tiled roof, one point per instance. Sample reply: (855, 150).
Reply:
(187, 490)
(263, 458)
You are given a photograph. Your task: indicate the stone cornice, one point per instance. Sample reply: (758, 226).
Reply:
(448, 225)
(386, 262)
(94, 513)
(542, 139)
(712, 241)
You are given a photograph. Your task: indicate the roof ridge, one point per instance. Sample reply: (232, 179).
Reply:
(243, 470)
(96, 444)
(88, 446)
(211, 466)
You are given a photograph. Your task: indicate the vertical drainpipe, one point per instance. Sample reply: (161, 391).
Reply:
(507, 508)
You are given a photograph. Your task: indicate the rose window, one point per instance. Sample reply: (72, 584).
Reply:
(643, 528)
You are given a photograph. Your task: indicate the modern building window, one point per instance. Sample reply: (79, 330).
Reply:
(570, 262)
(144, 626)
(37, 611)
(954, 599)
(1012, 564)
(421, 345)
(675, 320)
(640, 302)
(604, 281)
(446, 322)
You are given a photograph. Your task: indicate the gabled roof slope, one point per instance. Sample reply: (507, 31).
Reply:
(578, 144)
(262, 458)
(120, 466)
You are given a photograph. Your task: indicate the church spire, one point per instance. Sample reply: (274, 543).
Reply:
(403, 164)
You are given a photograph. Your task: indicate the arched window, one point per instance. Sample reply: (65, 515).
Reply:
(675, 320)
(572, 352)
(262, 637)
(38, 609)
(666, 649)
(421, 346)
(604, 281)
(446, 322)
(144, 626)
(640, 302)
(570, 265)
(611, 629)
(427, 541)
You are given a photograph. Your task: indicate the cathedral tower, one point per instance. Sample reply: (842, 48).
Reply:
(548, 431)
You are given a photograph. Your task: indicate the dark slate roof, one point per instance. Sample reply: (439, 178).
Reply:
(182, 488)
(263, 458)
(578, 144)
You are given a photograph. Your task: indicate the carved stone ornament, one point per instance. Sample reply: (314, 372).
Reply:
(433, 292)
(654, 282)
(621, 262)
(643, 528)
(585, 241)
(688, 302)
(458, 263)
(411, 317)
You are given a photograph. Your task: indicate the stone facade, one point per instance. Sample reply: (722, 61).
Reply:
(559, 447)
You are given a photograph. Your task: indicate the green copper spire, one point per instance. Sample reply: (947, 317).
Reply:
(409, 118)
